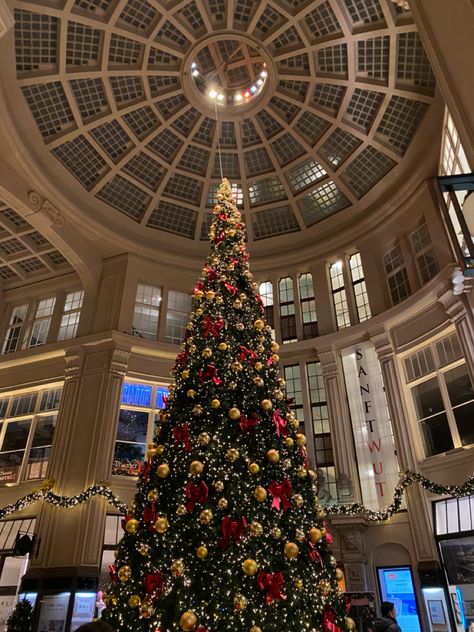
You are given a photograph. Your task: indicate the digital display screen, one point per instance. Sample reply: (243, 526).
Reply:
(396, 585)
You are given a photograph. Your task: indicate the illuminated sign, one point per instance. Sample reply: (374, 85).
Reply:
(396, 585)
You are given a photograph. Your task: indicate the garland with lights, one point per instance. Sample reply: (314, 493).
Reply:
(45, 493)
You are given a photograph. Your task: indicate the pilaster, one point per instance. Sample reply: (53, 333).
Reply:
(460, 313)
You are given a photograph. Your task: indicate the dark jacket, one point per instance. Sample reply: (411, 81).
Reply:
(386, 624)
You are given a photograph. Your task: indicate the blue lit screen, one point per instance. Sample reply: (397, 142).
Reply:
(396, 585)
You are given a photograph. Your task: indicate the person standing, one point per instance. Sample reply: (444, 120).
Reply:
(387, 622)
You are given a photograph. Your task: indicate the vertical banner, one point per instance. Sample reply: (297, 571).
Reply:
(375, 448)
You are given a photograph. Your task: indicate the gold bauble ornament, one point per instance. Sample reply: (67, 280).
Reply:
(163, 470)
(191, 393)
(300, 439)
(222, 503)
(232, 455)
(151, 445)
(281, 382)
(134, 601)
(215, 403)
(198, 295)
(219, 300)
(298, 500)
(275, 347)
(190, 326)
(206, 353)
(260, 348)
(231, 232)
(192, 348)
(198, 312)
(273, 456)
(324, 587)
(203, 438)
(350, 623)
(255, 628)
(289, 442)
(210, 294)
(276, 533)
(302, 472)
(254, 468)
(151, 453)
(260, 494)
(188, 621)
(152, 495)
(234, 413)
(299, 535)
(177, 568)
(313, 474)
(295, 424)
(315, 535)
(132, 526)
(205, 516)
(258, 381)
(298, 583)
(266, 404)
(160, 449)
(162, 525)
(237, 366)
(196, 467)
(181, 510)
(124, 573)
(218, 486)
(256, 529)
(222, 346)
(146, 610)
(232, 385)
(144, 549)
(259, 324)
(291, 550)
(339, 574)
(237, 304)
(250, 567)
(185, 374)
(275, 358)
(240, 602)
(258, 366)
(202, 552)
(197, 410)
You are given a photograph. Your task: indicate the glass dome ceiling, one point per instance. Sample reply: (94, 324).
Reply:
(111, 88)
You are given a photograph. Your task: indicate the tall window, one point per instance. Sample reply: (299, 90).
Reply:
(443, 395)
(453, 157)
(424, 253)
(15, 328)
(396, 275)
(27, 423)
(359, 288)
(147, 311)
(71, 314)
(339, 297)
(327, 489)
(266, 293)
(138, 414)
(39, 327)
(293, 388)
(308, 305)
(177, 316)
(287, 310)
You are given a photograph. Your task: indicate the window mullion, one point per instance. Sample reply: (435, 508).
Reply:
(449, 412)
(26, 454)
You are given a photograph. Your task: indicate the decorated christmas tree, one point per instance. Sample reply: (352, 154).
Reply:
(226, 533)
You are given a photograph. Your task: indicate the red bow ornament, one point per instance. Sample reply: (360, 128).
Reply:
(281, 492)
(230, 288)
(247, 423)
(219, 238)
(154, 583)
(195, 493)
(199, 286)
(113, 573)
(314, 554)
(280, 424)
(209, 373)
(181, 435)
(272, 583)
(246, 353)
(150, 514)
(329, 618)
(231, 529)
(145, 473)
(210, 326)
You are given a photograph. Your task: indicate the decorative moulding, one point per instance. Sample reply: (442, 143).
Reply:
(6, 18)
(39, 203)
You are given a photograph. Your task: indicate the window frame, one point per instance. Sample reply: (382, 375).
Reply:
(419, 255)
(400, 268)
(342, 292)
(310, 328)
(158, 308)
(356, 283)
(288, 319)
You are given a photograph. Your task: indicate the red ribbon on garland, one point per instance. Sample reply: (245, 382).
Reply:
(280, 424)
(181, 435)
(247, 423)
(195, 493)
(209, 373)
(210, 326)
(314, 554)
(231, 529)
(281, 492)
(154, 583)
(113, 573)
(150, 514)
(246, 353)
(272, 583)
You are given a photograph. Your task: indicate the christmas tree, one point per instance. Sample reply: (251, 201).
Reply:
(21, 619)
(226, 533)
